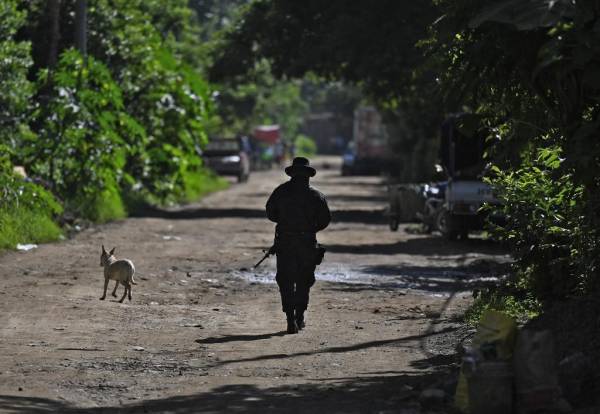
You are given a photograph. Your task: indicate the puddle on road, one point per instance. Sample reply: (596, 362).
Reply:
(432, 281)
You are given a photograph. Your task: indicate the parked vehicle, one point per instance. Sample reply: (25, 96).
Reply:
(265, 141)
(434, 195)
(415, 202)
(461, 154)
(348, 159)
(452, 207)
(405, 201)
(368, 151)
(227, 157)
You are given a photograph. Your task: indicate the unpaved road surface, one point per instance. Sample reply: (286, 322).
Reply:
(205, 333)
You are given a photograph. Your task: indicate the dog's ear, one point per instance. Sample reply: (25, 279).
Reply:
(103, 251)
(112, 251)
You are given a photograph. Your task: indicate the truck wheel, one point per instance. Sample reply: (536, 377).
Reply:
(394, 223)
(445, 225)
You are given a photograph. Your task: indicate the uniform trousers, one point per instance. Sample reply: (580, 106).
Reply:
(295, 271)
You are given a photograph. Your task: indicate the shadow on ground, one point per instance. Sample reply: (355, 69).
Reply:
(189, 213)
(422, 246)
(397, 342)
(368, 394)
(239, 338)
(356, 198)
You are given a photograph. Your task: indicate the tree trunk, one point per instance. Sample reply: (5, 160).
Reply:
(81, 26)
(54, 17)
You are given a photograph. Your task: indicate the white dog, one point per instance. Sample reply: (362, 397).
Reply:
(118, 270)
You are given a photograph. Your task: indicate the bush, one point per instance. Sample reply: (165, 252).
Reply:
(80, 148)
(305, 146)
(545, 227)
(519, 305)
(27, 211)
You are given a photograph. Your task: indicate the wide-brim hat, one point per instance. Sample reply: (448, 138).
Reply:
(300, 166)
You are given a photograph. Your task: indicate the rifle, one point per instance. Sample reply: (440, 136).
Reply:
(268, 252)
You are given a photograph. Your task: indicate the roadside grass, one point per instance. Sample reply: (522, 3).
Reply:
(101, 207)
(200, 184)
(196, 185)
(21, 225)
(522, 309)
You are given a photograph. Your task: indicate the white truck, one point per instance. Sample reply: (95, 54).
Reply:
(368, 151)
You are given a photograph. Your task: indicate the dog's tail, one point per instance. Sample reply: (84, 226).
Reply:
(133, 282)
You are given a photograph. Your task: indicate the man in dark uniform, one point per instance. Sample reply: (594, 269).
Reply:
(300, 212)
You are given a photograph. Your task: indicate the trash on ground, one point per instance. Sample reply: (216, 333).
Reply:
(26, 247)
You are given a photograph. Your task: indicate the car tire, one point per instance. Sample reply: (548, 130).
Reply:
(446, 225)
(394, 223)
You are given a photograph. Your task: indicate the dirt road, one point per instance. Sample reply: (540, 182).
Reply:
(204, 333)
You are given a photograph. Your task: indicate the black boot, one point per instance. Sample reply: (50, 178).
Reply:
(292, 328)
(300, 319)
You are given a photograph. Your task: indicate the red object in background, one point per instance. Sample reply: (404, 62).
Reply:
(267, 133)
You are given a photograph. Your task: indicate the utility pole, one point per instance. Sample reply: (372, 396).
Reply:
(81, 26)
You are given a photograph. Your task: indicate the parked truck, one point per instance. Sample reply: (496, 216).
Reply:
(461, 154)
(368, 151)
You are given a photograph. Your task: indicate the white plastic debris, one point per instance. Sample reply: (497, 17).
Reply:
(26, 247)
(171, 238)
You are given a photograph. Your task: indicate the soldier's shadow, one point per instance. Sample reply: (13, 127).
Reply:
(238, 338)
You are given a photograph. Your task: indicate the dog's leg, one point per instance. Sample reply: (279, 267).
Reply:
(130, 291)
(105, 287)
(115, 289)
(127, 286)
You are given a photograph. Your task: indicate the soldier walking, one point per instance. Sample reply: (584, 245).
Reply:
(300, 212)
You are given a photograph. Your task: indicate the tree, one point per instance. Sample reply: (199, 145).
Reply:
(530, 69)
(54, 17)
(373, 45)
(15, 61)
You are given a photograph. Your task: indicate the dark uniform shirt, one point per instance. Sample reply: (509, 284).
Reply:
(296, 207)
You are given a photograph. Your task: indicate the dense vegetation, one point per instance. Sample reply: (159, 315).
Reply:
(101, 133)
(529, 70)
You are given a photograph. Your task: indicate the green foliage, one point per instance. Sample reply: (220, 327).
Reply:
(260, 99)
(545, 226)
(201, 183)
(27, 211)
(168, 99)
(79, 147)
(521, 306)
(174, 111)
(369, 43)
(526, 67)
(305, 146)
(120, 127)
(15, 89)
